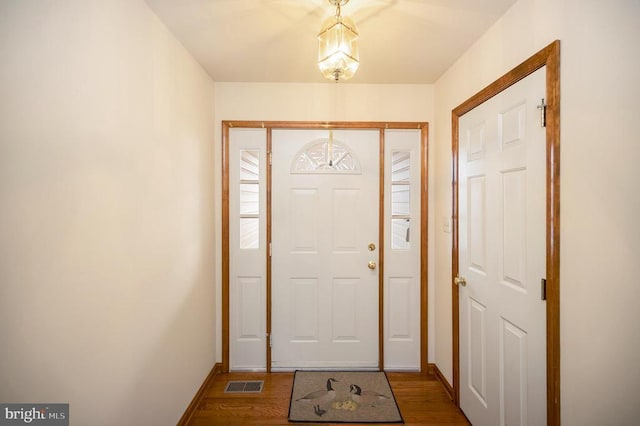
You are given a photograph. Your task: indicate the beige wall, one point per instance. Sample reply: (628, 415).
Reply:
(318, 102)
(107, 182)
(600, 202)
(106, 226)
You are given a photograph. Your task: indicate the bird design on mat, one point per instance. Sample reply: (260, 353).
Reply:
(367, 397)
(319, 411)
(320, 397)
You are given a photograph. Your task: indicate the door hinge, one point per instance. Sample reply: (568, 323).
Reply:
(543, 113)
(270, 249)
(543, 289)
(270, 158)
(270, 337)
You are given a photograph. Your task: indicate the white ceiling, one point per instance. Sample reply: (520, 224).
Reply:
(401, 41)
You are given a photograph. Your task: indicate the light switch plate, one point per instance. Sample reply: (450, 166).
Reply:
(446, 225)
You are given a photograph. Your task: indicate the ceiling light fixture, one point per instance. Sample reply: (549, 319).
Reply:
(338, 57)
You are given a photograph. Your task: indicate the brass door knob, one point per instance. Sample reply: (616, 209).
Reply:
(372, 264)
(460, 280)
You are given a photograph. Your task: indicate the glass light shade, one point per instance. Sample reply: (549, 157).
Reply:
(338, 57)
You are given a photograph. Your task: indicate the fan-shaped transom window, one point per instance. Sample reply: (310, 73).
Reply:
(325, 156)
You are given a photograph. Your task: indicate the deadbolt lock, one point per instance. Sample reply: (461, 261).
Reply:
(371, 247)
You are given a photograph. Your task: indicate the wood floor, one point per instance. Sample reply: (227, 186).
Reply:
(421, 399)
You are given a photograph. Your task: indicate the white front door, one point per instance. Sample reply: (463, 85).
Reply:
(325, 208)
(502, 257)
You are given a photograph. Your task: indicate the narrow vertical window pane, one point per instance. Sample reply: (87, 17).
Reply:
(400, 234)
(400, 200)
(249, 198)
(249, 233)
(249, 164)
(400, 166)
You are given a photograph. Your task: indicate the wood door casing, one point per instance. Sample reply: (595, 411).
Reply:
(549, 57)
(226, 125)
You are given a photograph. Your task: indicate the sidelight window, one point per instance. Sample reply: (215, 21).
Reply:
(400, 200)
(249, 199)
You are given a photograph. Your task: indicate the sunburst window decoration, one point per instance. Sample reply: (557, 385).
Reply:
(325, 155)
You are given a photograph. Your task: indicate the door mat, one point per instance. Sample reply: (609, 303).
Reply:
(342, 397)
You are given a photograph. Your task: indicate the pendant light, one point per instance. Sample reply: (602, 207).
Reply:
(338, 57)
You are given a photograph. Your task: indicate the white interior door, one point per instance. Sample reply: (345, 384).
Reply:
(502, 256)
(324, 217)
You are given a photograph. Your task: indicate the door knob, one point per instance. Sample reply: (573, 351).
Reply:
(460, 280)
(372, 264)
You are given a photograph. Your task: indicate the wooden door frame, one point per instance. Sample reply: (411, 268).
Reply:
(549, 57)
(311, 125)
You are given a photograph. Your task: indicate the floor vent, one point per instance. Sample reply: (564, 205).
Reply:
(254, 386)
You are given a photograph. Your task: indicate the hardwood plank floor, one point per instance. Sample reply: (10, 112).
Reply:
(421, 399)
